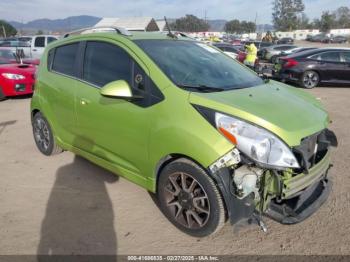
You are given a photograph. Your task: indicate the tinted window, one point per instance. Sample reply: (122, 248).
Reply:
(51, 39)
(346, 57)
(65, 58)
(330, 57)
(105, 63)
(39, 41)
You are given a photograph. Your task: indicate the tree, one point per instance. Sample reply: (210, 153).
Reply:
(342, 16)
(9, 29)
(233, 26)
(304, 22)
(190, 23)
(40, 32)
(285, 14)
(248, 27)
(327, 22)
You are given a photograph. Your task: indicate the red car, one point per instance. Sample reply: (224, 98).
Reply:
(15, 78)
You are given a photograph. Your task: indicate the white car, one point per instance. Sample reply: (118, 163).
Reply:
(32, 46)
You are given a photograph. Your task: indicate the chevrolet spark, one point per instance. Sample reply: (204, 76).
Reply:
(206, 135)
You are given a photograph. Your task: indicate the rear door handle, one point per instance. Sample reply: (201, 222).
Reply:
(34, 50)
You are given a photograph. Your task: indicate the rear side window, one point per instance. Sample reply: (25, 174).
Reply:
(39, 41)
(51, 39)
(64, 59)
(104, 63)
(330, 57)
(346, 57)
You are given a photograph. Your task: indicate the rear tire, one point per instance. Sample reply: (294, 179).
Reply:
(190, 200)
(309, 79)
(43, 136)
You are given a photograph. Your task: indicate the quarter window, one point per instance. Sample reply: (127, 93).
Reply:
(105, 63)
(64, 59)
(51, 39)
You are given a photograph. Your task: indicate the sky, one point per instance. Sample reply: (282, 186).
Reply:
(27, 10)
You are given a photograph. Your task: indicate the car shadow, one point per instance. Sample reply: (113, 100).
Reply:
(3, 125)
(79, 217)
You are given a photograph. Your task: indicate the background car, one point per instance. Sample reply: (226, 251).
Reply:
(275, 50)
(228, 49)
(275, 58)
(339, 39)
(309, 68)
(285, 40)
(15, 79)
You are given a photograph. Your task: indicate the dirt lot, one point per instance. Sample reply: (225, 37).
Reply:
(66, 205)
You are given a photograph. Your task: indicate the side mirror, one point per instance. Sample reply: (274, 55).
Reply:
(117, 89)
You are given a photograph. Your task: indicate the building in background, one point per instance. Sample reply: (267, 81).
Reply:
(130, 23)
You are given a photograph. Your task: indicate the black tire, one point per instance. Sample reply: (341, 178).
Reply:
(273, 59)
(195, 205)
(309, 79)
(2, 96)
(43, 136)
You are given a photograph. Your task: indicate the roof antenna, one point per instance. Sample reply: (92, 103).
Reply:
(170, 34)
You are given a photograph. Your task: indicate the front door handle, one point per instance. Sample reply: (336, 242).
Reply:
(84, 102)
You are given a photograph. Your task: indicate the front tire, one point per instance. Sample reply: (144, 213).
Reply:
(309, 79)
(43, 136)
(189, 198)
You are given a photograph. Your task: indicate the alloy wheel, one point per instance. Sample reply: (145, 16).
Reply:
(187, 201)
(310, 79)
(41, 133)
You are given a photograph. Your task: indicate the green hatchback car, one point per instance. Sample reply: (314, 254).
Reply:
(212, 140)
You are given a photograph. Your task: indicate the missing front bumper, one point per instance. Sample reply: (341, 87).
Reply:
(299, 208)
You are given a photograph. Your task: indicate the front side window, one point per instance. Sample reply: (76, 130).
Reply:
(191, 64)
(104, 63)
(39, 41)
(64, 59)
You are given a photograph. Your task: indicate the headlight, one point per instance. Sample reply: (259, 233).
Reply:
(13, 76)
(255, 142)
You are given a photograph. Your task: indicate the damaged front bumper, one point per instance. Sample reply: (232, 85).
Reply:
(283, 196)
(301, 195)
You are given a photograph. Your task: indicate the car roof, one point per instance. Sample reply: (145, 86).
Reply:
(317, 51)
(113, 35)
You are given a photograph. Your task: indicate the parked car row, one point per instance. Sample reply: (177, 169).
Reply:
(323, 38)
(29, 46)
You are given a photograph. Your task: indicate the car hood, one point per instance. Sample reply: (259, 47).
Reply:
(23, 69)
(286, 111)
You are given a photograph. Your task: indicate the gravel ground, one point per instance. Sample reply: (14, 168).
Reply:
(66, 205)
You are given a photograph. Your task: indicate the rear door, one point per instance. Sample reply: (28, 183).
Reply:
(329, 65)
(38, 46)
(59, 90)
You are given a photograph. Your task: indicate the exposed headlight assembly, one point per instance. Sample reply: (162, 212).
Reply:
(256, 142)
(13, 76)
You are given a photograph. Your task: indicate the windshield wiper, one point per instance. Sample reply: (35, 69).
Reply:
(203, 88)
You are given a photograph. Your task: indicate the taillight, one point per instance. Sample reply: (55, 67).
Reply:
(289, 62)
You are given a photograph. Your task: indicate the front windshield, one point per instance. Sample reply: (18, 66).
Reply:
(195, 64)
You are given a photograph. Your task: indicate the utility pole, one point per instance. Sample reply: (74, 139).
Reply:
(4, 31)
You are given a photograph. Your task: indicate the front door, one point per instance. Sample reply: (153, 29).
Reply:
(113, 129)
